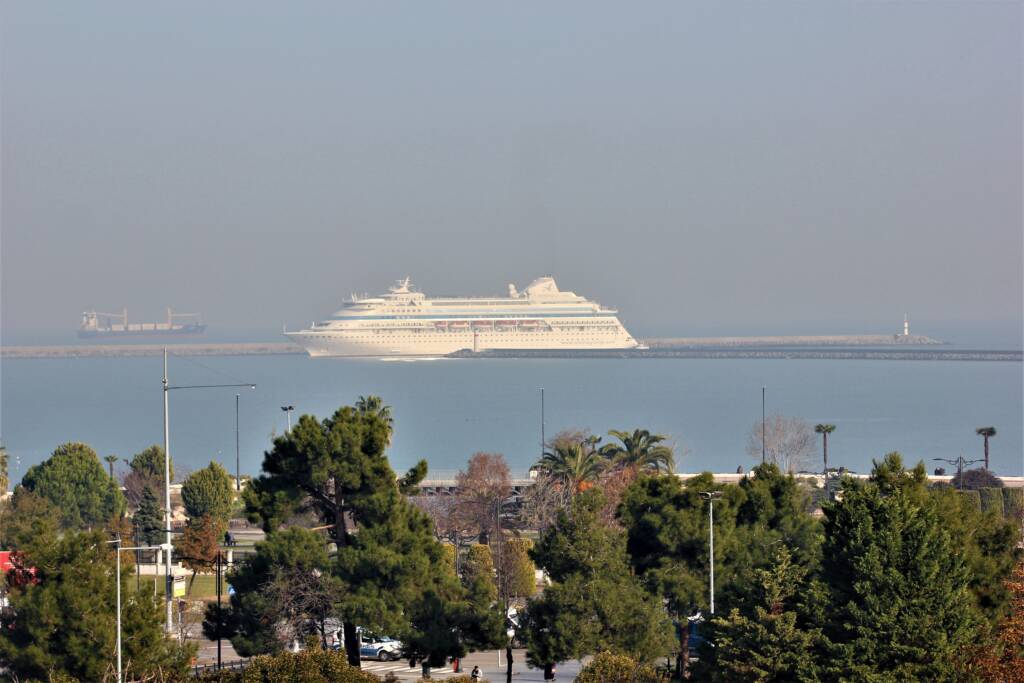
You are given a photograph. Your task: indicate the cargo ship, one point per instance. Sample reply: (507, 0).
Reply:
(95, 324)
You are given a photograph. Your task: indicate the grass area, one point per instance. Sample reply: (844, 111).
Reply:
(204, 588)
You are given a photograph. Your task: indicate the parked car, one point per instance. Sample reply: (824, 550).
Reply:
(382, 649)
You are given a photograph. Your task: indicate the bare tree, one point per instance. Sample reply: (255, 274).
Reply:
(441, 509)
(541, 503)
(788, 442)
(482, 491)
(304, 601)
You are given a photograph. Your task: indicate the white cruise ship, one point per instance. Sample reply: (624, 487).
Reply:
(405, 322)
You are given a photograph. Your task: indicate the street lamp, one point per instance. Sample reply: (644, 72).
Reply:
(169, 582)
(117, 542)
(542, 444)
(288, 412)
(710, 497)
(960, 463)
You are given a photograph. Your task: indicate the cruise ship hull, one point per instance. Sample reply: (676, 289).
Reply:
(340, 344)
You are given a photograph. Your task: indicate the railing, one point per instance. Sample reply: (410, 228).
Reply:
(234, 665)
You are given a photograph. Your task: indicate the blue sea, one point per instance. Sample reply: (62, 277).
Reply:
(447, 409)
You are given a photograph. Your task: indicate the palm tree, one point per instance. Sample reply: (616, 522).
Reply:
(576, 465)
(640, 450)
(111, 459)
(825, 430)
(375, 406)
(986, 433)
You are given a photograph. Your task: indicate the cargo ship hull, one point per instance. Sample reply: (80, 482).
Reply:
(144, 330)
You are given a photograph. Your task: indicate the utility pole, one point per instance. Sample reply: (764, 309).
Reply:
(169, 581)
(710, 496)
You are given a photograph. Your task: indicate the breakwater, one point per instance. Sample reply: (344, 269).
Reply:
(828, 341)
(762, 352)
(139, 350)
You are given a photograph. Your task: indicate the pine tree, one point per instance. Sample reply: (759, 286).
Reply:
(337, 469)
(62, 620)
(900, 598)
(767, 645)
(77, 484)
(667, 526)
(28, 520)
(667, 542)
(251, 618)
(594, 603)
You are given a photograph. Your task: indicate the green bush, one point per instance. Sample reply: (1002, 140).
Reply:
(464, 678)
(972, 498)
(992, 500)
(308, 666)
(1013, 503)
(609, 668)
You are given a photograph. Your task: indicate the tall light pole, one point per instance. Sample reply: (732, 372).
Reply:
(169, 578)
(710, 497)
(238, 467)
(762, 424)
(168, 582)
(288, 412)
(117, 551)
(542, 446)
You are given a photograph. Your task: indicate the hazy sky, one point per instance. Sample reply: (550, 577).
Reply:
(762, 167)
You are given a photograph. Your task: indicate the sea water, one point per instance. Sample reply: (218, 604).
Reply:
(445, 410)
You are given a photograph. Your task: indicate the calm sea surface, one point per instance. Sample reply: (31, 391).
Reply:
(445, 410)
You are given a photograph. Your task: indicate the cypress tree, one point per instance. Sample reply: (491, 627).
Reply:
(208, 492)
(148, 519)
(992, 500)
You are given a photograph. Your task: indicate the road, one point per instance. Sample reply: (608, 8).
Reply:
(487, 661)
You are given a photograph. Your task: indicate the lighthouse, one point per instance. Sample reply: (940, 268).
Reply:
(906, 325)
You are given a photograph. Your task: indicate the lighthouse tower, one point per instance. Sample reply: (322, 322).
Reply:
(906, 325)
